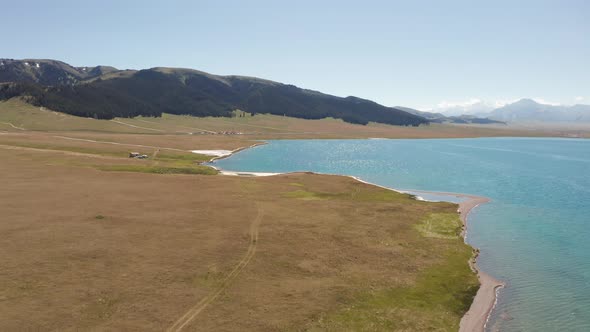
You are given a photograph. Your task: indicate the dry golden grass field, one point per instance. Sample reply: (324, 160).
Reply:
(86, 249)
(93, 240)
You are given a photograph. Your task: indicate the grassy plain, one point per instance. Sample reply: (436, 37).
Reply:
(16, 115)
(93, 240)
(88, 249)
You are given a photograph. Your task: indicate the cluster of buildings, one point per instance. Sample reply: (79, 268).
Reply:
(229, 132)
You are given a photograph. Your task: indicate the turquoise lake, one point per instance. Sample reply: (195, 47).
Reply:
(534, 234)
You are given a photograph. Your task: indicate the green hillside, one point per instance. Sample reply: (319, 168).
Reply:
(151, 92)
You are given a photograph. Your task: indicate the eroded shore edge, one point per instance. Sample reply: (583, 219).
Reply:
(478, 315)
(486, 298)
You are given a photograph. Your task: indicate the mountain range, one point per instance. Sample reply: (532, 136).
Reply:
(528, 110)
(441, 118)
(105, 92)
(522, 111)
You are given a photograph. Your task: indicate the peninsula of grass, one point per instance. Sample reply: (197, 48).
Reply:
(181, 159)
(436, 301)
(436, 298)
(203, 170)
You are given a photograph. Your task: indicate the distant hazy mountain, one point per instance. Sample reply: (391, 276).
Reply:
(441, 118)
(528, 110)
(428, 115)
(473, 107)
(105, 92)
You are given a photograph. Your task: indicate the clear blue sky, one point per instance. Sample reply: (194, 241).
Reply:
(411, 53)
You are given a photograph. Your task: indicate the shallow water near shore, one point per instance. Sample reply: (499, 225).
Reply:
(534, 234)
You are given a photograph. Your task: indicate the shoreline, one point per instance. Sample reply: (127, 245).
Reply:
(231, 153)
(232, 173)
(486, 298)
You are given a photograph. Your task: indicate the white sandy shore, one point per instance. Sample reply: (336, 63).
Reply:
(215, 153)
(247, 173)
(220, 154)
(485, 300)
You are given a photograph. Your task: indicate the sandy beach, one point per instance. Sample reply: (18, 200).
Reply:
(221, 154)
(477, 317)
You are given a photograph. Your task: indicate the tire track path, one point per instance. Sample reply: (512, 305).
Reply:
(115, 143)
(13, 126)
(193, 312)
(69, 153)
(134, 126)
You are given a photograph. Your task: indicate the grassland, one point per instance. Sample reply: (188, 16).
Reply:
(88, 249)
(441, 225)
(16, 115)
(94, 240)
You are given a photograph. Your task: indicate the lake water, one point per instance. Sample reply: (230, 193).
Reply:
(534, 234)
